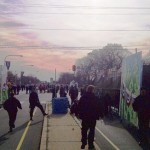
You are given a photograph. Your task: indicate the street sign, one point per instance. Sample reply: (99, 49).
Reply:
(7, 64)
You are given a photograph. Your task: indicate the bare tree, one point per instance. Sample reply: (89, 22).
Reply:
(97, 61)
(66, 78)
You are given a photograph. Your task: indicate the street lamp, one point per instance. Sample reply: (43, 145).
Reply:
(7, 70)
(8, 64)
(11, 55)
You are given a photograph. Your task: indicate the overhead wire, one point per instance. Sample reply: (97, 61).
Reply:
(88, 30)
(66, 48)
(79, 30)
(76, 6)
(53, 13)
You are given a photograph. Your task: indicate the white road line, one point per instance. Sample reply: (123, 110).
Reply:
(107, 139)
(79, 123)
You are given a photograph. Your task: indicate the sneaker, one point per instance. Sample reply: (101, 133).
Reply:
(13, 126)
(91, 147)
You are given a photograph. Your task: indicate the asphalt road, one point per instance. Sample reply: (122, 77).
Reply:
(111, 135)
(27, 134)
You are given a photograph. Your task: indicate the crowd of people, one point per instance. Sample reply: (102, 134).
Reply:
(86, 105)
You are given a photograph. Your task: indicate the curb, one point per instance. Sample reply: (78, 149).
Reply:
(44, 137)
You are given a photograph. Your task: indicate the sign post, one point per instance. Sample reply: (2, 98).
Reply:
(1, 69)
(7, 64)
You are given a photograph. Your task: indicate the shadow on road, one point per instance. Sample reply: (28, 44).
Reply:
(3, 138)
(36, 123)
(21, 127)
(114, 121)
(6, 136)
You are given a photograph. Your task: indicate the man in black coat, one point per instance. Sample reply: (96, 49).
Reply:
(107, 105)
(141, 105)
(89, 111)
(73, 93)
(34, 102)
(11, 105)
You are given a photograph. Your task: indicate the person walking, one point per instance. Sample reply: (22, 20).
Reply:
(141, 105)
(27, 88)
(107, 106)
(89, 110)
(73, 93)
(53, 90)
(34, 102)
(11, 105)
(62, 91)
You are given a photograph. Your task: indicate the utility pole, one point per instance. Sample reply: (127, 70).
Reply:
(135, 50)
(55, 82)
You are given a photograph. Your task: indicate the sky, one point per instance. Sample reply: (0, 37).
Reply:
(53, 34)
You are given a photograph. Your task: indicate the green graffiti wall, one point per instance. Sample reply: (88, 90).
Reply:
(131, 80)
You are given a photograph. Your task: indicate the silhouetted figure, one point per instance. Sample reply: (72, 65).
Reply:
(53, 90)
(11, 105)
(67, 88)
(107, 105)
(89, 111)
(34, 102)
(62, 91)
(82, 90)
(141, 105)
(27, 88)
(73, 93)
(18, 89)
(30, 88)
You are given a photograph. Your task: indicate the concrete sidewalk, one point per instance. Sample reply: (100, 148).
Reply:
(61, 132)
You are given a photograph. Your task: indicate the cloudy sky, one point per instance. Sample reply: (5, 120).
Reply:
(54, 33)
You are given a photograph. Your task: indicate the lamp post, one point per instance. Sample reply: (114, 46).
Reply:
(10, 56)
(8, 65)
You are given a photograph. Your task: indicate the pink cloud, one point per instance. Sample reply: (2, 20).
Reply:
(21, 43)
(28, 35)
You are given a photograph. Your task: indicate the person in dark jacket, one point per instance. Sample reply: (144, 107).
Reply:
(11, 105)
(53, 90)
(141, 105)
(34, 102)
(107, 105)
(82, 90)
(73, 93)
(62, 91)
(89, 111)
